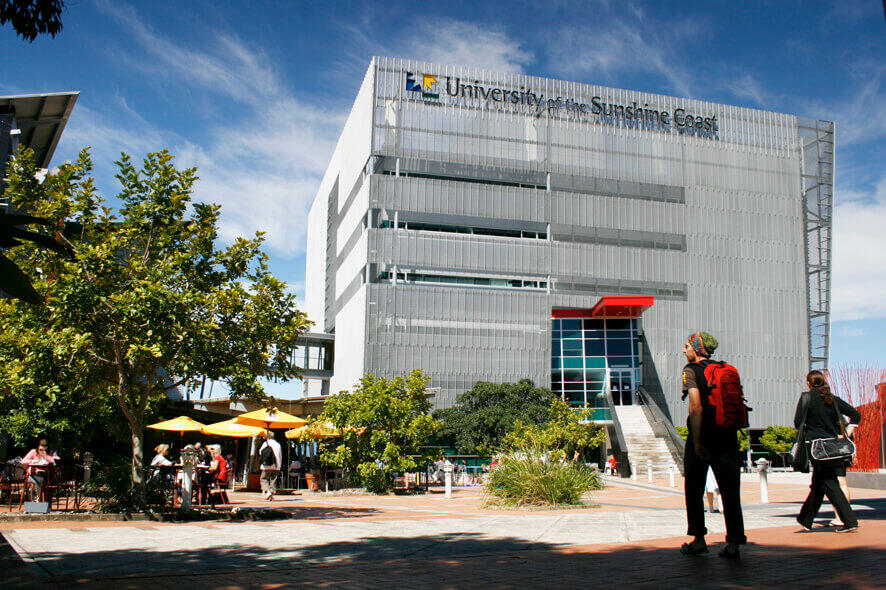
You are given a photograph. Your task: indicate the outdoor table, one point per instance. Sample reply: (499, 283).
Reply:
(474, 471)
(201, 488)
(48, 472)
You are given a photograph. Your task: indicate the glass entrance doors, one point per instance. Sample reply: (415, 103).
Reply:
(621, 383)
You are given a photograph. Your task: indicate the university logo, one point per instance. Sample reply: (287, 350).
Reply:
(424, 83)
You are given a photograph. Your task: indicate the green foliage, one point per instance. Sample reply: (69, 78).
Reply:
(743, 440)
(30, 18)
(566, 435)
(521, 480)
(486, 413)
(682, 431)
(778, 439)
(111, 484)
(382, 422)
(145, 304)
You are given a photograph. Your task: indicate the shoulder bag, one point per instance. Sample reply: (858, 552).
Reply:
(834, 451)
(799, 454)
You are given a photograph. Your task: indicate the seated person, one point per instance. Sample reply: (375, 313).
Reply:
(232, 465)
(295, 469)
(37, 462)
(219, 466)
(161, 459)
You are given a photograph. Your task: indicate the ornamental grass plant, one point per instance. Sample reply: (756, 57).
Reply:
(520, 480)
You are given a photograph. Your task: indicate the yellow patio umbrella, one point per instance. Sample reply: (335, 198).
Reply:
(232, 428)
(270, 418)
(182, 424)
(316, 430)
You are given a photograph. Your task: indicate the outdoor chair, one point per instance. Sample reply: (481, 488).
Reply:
(218, 491)
(461, 475)
(65, 486)
(14, 482)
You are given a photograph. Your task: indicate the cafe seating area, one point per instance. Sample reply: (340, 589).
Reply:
(61, 490)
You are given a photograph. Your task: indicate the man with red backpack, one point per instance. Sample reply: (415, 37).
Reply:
(717, 411)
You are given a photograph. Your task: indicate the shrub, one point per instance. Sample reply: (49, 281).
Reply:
(111, 487)
(567, 435)
(520, 480)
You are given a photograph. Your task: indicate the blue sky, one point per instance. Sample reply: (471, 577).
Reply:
(257, 97)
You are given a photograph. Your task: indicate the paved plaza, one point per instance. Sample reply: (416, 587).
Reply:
(631, 536)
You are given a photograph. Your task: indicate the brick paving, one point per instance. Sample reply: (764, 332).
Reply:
(628, 539)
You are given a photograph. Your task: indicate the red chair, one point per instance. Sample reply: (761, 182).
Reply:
(218, 490)
(14, 481)
(65, 485)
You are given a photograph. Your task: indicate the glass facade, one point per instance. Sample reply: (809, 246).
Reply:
(589, 355)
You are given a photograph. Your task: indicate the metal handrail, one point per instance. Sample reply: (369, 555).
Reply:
(659, 417)
(624, 465)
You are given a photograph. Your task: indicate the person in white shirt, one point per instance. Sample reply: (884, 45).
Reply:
(161, 459)
(270, 461)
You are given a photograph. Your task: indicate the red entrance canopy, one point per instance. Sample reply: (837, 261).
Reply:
(615, 306)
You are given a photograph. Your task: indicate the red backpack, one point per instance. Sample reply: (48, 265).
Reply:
(726, 396)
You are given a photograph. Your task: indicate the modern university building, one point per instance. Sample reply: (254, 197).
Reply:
(492, 226)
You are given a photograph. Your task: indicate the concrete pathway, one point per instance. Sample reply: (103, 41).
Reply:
(634, 521)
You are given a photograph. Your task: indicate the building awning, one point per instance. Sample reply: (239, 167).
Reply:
(616, 306)
(41, 119)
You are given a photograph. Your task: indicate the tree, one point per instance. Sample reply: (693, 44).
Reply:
(382, 422)
(486, 413)
(779, 440)
(566, 435)
(30, 18)
(13, 281)
(147, 303)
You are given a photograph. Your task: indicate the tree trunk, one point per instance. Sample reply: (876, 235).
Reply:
(139, 494)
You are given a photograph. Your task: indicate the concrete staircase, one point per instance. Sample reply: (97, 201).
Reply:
(641, 441)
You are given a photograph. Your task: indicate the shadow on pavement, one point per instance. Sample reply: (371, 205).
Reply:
(469, 560)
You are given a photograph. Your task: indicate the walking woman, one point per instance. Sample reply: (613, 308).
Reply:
(823, 412)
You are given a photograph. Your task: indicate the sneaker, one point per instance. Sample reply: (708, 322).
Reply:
(846, 528)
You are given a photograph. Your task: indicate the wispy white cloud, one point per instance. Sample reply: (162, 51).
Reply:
(623, 42)
(850, 332)
(861, 115)
(263, 166)
(748, 87)
(436, 40)
(470, 44)
(859, 280)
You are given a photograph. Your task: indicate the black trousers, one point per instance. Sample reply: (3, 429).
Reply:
(727, 469)
(824, 483)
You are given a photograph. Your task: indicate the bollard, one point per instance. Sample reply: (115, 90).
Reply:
(447, 476)
(189, 457)
(672, 471)
(634, 471)
(649, 470)
(762, 465)
(88, 458)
